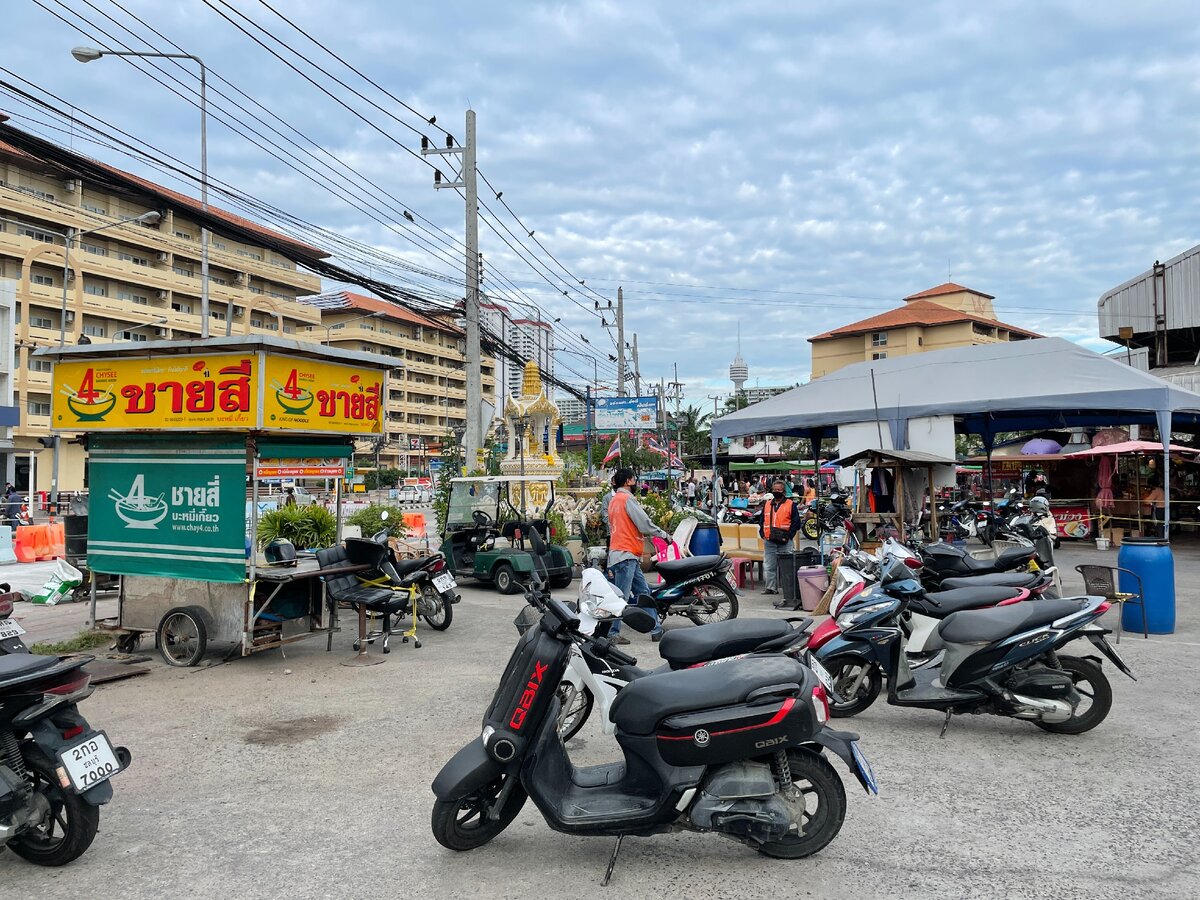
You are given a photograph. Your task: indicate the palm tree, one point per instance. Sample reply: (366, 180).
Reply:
(693, 431)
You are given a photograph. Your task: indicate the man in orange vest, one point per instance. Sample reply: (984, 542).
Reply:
(780, 522)
(628, 527)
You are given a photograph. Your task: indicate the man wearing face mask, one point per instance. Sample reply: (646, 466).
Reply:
(780, 522)
(629, 526)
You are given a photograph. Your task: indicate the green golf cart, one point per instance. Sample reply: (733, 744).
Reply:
(486, 533)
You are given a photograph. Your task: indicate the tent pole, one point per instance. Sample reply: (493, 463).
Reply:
(716, 490)
(1165, 434)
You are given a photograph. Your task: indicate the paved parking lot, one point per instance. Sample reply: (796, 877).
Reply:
(249, 781)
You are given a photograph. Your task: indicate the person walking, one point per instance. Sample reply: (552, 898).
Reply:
(629, 526)
(691, 492)
(810, 491)
(780, 522)
(289, 498)
(1155, 503)
(12, 508)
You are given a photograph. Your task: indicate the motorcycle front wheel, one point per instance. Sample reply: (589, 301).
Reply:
(821, 807)
(70, 824)
(712, 602)
(845, 671)
(574, 711)
(811, 529)
(465, 824)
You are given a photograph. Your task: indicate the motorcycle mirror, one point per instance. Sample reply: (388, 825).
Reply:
(640, 620)
(384, 516)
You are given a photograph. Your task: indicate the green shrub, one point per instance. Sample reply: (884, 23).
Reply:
(370, 519)
(308, 527)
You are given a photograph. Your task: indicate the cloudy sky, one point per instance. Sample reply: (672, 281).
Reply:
(789, 167)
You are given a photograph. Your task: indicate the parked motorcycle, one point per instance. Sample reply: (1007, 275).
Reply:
(54, 767)
(432, 577)
(736, 749)
(697, 587)
(1003, 661)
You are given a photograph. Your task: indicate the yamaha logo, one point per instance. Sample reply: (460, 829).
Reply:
(701, 737)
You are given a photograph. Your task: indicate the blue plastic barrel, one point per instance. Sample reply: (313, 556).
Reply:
(706, 540)
(1152, 560)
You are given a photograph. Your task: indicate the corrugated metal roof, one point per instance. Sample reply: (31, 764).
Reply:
(1132, 303)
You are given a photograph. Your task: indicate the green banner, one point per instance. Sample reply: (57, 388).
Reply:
(156, 508)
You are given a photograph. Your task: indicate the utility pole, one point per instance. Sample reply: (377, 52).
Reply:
(716, 489)
(637, 370)
(587, 428)
(621, 392)
(473, 436)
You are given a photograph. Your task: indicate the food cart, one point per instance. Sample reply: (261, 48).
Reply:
(179, 434)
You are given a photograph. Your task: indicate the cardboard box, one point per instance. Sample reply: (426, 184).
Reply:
(1115, 536)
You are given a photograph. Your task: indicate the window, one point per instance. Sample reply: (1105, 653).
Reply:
(257, 323)
(40, 365)
(47, 280)
(40, 322)
(38, 408)
(220, 246)
(96, 290)
(36, 233)
(879, 355)
(136, 260)
(94, 330)
(213, 314)
(96, 209)
(94, 248)
(184, 271)
(985, 330)
(289, 329)
(182, 307)
(36, 192)
(135, 337)
(879, 339)
(184, 235)
(217, 280)
(140, 299)
(250, 254)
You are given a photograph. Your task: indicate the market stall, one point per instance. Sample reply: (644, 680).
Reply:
(179, 437)
(912, 480)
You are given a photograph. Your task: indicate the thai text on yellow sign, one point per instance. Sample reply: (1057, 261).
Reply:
(313, 395)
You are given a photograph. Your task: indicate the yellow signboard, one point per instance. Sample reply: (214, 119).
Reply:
(227, 391)
(167, 392)
(313, 395)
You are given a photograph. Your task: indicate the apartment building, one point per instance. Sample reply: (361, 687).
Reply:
(9, 416)
(941, 317)
(533, 339)
(428, 402)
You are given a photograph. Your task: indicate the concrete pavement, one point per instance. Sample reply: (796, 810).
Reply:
(251, 782)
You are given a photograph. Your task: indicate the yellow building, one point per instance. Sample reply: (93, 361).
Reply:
(945, 316)
(429, 402)
(134, 282)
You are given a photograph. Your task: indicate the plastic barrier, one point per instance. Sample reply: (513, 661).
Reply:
(57, 537)
(6, 545)
(414, 523)
(41, 541)
(24, 546)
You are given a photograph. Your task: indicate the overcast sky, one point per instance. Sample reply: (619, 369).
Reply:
(807, 164)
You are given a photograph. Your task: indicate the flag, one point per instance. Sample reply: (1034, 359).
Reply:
(614, 451)
(676, 461)
(655, 447)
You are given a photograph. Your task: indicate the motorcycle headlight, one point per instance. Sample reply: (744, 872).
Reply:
(849, 619)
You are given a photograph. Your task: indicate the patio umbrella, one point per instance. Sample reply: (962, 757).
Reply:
(1104, 499)
(1040, 446)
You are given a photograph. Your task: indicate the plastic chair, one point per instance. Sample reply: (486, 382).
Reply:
(743, 571)
(1102, 580)
(664, 552)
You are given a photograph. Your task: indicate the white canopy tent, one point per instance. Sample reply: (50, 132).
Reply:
(990, 388)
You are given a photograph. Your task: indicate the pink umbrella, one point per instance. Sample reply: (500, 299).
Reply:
(1104, 499)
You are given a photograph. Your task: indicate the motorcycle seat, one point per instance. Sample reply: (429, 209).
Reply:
(987, 625)
(679, 569)
(408, 566)
(17, 664)
(641, 705)
(688, 646)
(992, 579)
(941, 604)
(1012, 557)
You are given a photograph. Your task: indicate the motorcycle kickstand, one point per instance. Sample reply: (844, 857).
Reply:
(612, 861)
(945, 724)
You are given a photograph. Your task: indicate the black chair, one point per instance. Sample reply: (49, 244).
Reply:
(346, 588)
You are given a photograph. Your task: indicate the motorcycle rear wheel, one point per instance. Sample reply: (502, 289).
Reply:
(811, 529)
(443, 612)
(824, 807)
(719, 601)
(71, 826)
(464, 824)
(1092, 683)
(844, 670)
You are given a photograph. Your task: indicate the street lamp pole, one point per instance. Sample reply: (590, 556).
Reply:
(89, 54)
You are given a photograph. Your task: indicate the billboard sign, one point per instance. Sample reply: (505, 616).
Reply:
(621, 413)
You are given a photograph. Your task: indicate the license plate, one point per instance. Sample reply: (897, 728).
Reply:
(90, 762)
(444, 582)
(822, 674)
(10, 629)
(864, 768)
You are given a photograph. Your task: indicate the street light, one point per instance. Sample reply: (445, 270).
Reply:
(90, 54)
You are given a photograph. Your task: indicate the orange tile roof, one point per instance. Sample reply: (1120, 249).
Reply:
(916, 312)
(191, 204)
(948, 288)
(345, 300)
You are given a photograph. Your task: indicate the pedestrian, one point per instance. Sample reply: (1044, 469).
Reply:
(629, 526)
(810, 491)
(289, 496)
(691, 492)
(780, 522)
(12, 507)
(1155, 503)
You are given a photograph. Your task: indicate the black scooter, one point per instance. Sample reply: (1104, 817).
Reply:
(697, 587)
(734, 749)
(54, 767)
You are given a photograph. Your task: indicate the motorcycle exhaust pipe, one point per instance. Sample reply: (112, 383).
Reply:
(1052, 711)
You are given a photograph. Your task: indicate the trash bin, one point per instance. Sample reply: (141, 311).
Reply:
(813, 582)
(1152, 560)
(76, 530)
(787, 576)
(706, 540)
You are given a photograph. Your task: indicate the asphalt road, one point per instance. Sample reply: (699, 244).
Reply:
(249, 781)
